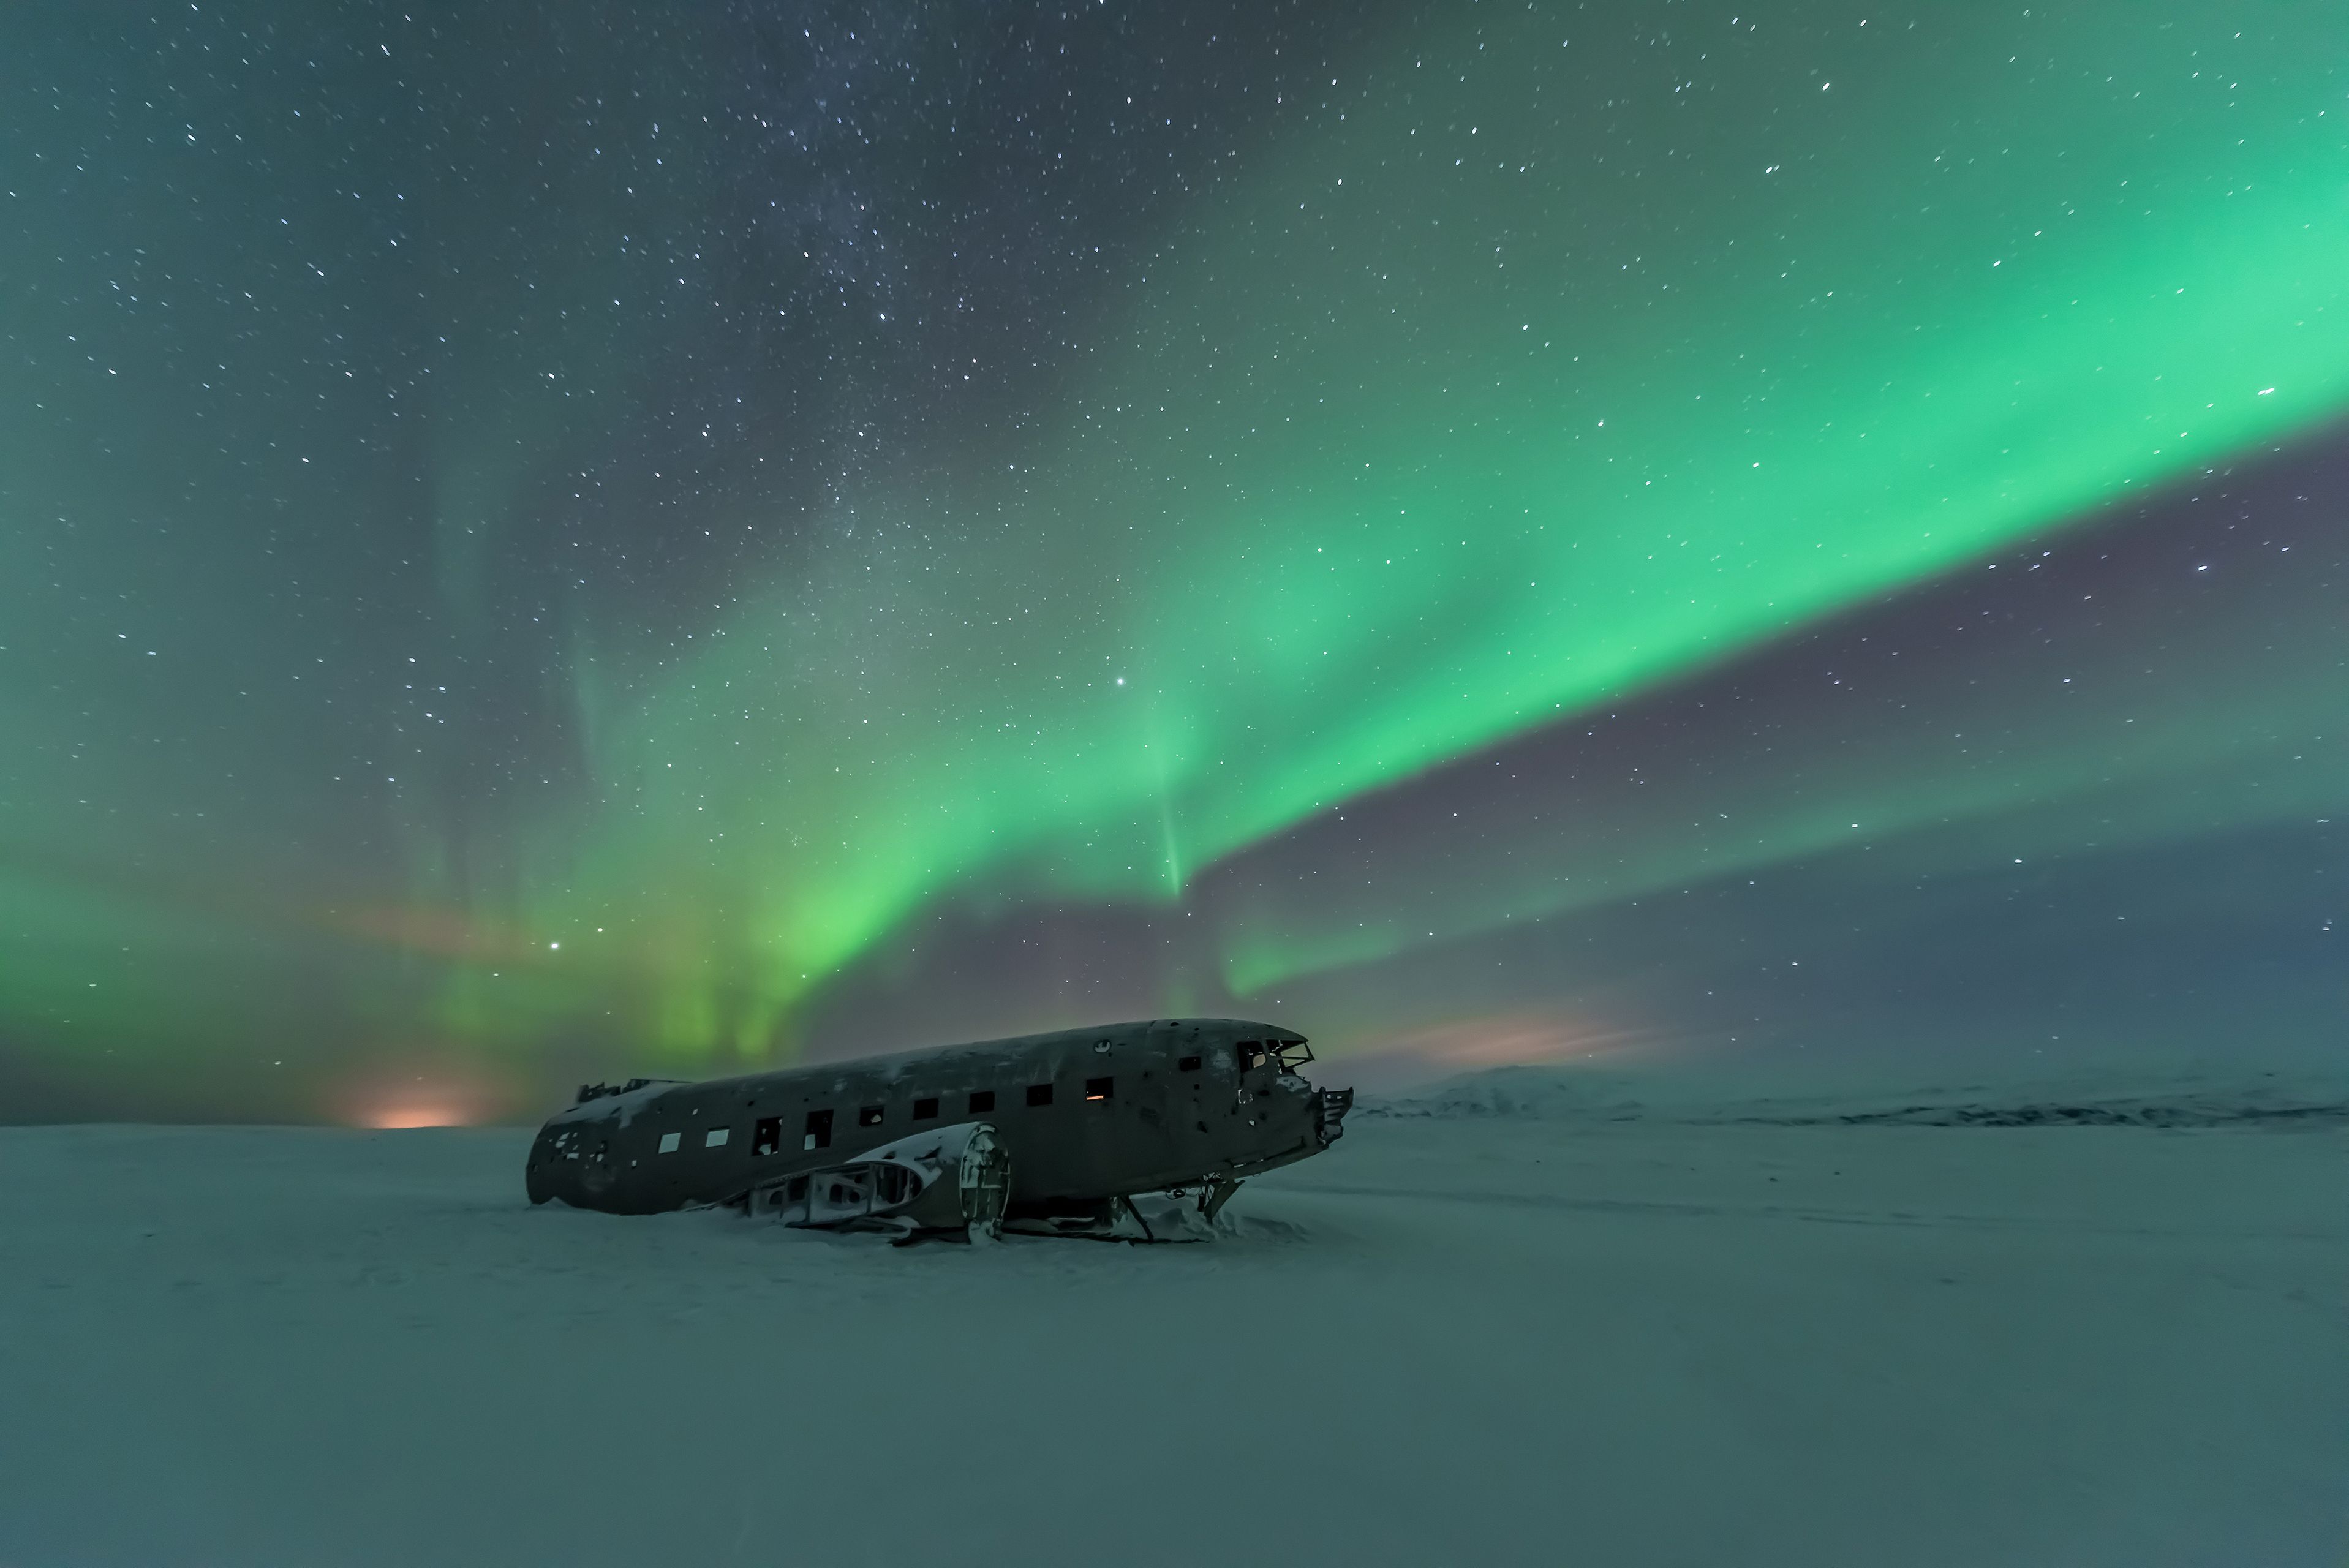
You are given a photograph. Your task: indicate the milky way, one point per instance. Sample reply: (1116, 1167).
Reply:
(684, 537)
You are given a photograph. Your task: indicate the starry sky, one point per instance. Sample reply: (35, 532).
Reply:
(550, 540)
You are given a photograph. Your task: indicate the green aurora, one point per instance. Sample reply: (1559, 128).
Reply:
(1459, 417)
(1526, 364)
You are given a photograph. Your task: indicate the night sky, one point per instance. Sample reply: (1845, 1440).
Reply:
(549, 540)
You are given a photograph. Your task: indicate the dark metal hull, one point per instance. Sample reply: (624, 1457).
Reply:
(1087, 1116)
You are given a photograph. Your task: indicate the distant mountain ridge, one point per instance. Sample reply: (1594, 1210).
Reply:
(2181, 1099)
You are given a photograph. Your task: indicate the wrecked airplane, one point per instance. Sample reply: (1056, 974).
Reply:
(1053, 1133)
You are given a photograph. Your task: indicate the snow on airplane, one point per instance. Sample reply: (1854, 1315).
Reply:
(1055, 1133)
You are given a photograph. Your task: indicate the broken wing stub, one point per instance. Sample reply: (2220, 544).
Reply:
(953, 1181)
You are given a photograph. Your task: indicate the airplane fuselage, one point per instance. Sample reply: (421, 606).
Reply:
(1086, 1115)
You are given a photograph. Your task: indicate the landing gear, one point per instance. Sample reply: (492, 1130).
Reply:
(1177, 1214)
(1215, 1196)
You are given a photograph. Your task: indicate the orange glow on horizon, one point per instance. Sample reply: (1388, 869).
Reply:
(1529, 1039)
(433, 1087)
(414, 1115)
(1515, 1039)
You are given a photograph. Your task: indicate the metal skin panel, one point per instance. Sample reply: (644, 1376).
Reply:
(1159, 1128)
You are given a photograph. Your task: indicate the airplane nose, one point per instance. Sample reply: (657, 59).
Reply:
(1330, 1108)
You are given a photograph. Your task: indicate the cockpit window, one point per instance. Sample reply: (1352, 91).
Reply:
(1291, 1054)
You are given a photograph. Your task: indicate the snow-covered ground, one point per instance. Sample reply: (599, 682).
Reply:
(1458, 1338)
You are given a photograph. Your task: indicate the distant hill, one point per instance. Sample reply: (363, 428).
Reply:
(2114, 1098)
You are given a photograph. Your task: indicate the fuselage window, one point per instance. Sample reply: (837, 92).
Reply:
(715, 1138)
(767, 1137)
(1098, 1089)
(1040, 1093)
(868, 1116)
(926, 1111)
(668, 1142)
(1188, 1065)
(982, 1100)
(819, 1131)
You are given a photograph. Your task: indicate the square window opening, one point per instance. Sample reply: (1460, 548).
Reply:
(669, 1142)
(868, 1116)
(715, 1138)
(819, 1131)
(1188, 1065)
(981, 1099)
(766, 1137)
(1099, 1087)
(926, 1111)
(1040, 1093)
